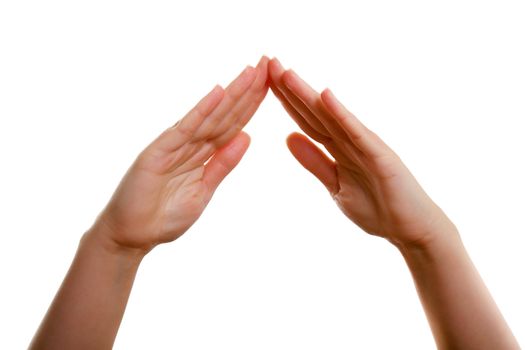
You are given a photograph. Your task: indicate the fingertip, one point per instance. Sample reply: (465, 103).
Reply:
(208, 103)
(263, 66)
(245, 136)
(242, 81)
(294, 134)
(331, 102)
(249, 70)
(264, 59)
(289, 139)
(294, 138)
(326, 92)
(313, 159)
(275, 69)
(239, 143)
(276, 65)
(327, 95)
(288, 77)
(276, 62)
(218, 90)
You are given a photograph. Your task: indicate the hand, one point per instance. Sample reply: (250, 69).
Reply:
(167, 188)
(368, 181)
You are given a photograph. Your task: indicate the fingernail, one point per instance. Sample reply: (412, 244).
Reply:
(290, 73)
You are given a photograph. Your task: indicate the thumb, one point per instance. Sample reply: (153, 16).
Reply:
(225, 159)
(314, 160)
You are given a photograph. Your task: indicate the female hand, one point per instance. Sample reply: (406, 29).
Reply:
(367, 179)
(168, 186)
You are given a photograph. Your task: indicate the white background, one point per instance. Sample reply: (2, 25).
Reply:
(272, 263)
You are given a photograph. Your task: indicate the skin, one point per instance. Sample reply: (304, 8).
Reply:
(169, 185)
(375, 190)
(163, 193)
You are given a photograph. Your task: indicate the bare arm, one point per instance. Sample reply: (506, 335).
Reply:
(374, 189)
(161, 196)
(458, 305)
(88, 308)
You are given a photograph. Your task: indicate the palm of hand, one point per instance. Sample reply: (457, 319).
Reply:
(172, 180)
(368, 181)
(151, 207)
(384, 199)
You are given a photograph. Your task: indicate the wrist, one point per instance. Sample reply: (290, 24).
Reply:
(440, 245)
(98, 238)
(439, 230)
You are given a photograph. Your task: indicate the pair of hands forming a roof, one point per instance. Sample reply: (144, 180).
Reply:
(172, 180)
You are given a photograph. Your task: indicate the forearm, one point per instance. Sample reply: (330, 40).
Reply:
(458, 305)
(88, 308)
